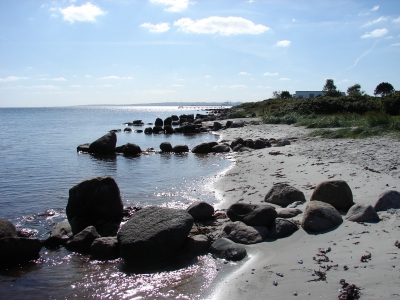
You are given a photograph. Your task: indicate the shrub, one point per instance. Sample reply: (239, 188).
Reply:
(391, 103)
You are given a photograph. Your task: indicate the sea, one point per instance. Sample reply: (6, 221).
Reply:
(39, 163)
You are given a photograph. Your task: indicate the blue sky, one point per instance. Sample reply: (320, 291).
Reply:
(72, 52)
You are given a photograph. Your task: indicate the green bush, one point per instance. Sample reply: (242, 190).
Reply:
(391, 103)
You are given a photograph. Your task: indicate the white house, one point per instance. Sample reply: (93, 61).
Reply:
(310, 94)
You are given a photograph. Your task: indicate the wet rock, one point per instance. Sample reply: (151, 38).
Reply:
(320, 216)
(387, 200)
(105, 144)
(203, 148)
(222, 148)
(200, 210)
(362, 213)
(7, 229)
(105, 248)
(168, 122)
(166, 147)
(168, 129)
(153, 234)
(259, 144)
(83, 147)
(238, 141)
(287, 213)
(131, 149)
(83, 240)
(95, 202)
(15, 250)
(137, 123)
(159, 122)
(282, 228)
(226, 249)
(241, 233)
(175, 118)
(59, 235)
(197, 244)
(212, 144)
(148, 130)
(335, 192)
(252, 214)
(128, 129)
(217, 126)
(283, 194)
(249, 143)
(180, 149)
(158, 129)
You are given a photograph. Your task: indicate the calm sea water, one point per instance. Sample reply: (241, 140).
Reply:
(39, 164)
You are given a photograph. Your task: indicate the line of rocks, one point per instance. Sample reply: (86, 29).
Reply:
(107, 145)
(97, 224)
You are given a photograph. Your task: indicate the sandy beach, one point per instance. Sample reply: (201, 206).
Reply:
(369, 166)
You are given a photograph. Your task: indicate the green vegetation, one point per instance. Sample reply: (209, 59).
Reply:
(355, 116)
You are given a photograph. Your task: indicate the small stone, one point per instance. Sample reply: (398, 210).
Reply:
(279, 274)
(275, 283)
(295, 294)
(300, 261)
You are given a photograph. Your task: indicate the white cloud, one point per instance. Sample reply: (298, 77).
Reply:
(173, 5)
(294, 20)
(375, 34)
(177, 85)
(160, 27)
(376, 7)
(270, 74)
(116, 77)
(88, 76)
(284, 79)
(250, 1)
(283, 43)
(244, 73)
(396, 20)
(263, 87)
(55, 79)
(46, 87)
(238, 86)
(370, 23)
(395, 45)
(155, 92)
(75, 86)
(84, 13)
(208, 76)
(220, 25)
(12, 78)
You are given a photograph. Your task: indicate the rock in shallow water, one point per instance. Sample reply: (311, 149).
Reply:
(154, 234)
(226, 249)
(241, 233)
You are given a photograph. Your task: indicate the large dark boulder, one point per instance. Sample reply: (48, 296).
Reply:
(166, 147)
(158, 129)
(95, 202)
(252, 214)
(320, 216)
(105, 248)
(282, 228)
(83, 240)
(180, 149)
(387, 200)
(16, 250)
(238, 141)
(196, 245)
(189, 128)
(200, 210)
(131, 149)
(7, 229)
(154, 234)
(159, 122)
(202, 148)
(241, 233)
(148, 130)
(226, 249)
(362, 213)
(104, 145)
(175, 118)
(335, 192)
(83, 147)
(259, 144)
(59, 235)
(283, 194)
(168, 129)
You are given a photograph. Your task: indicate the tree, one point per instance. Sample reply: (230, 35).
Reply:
(383, 89)
(330, 89)
(276, 94)
(355, 90)
(286, 95)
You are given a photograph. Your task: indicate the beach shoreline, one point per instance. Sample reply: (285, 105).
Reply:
(370, 166)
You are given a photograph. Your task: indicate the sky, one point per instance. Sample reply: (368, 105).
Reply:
(72, 52)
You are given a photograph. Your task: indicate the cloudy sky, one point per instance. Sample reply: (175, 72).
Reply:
(72, 52)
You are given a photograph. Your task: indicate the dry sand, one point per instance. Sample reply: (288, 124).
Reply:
(370, 167)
